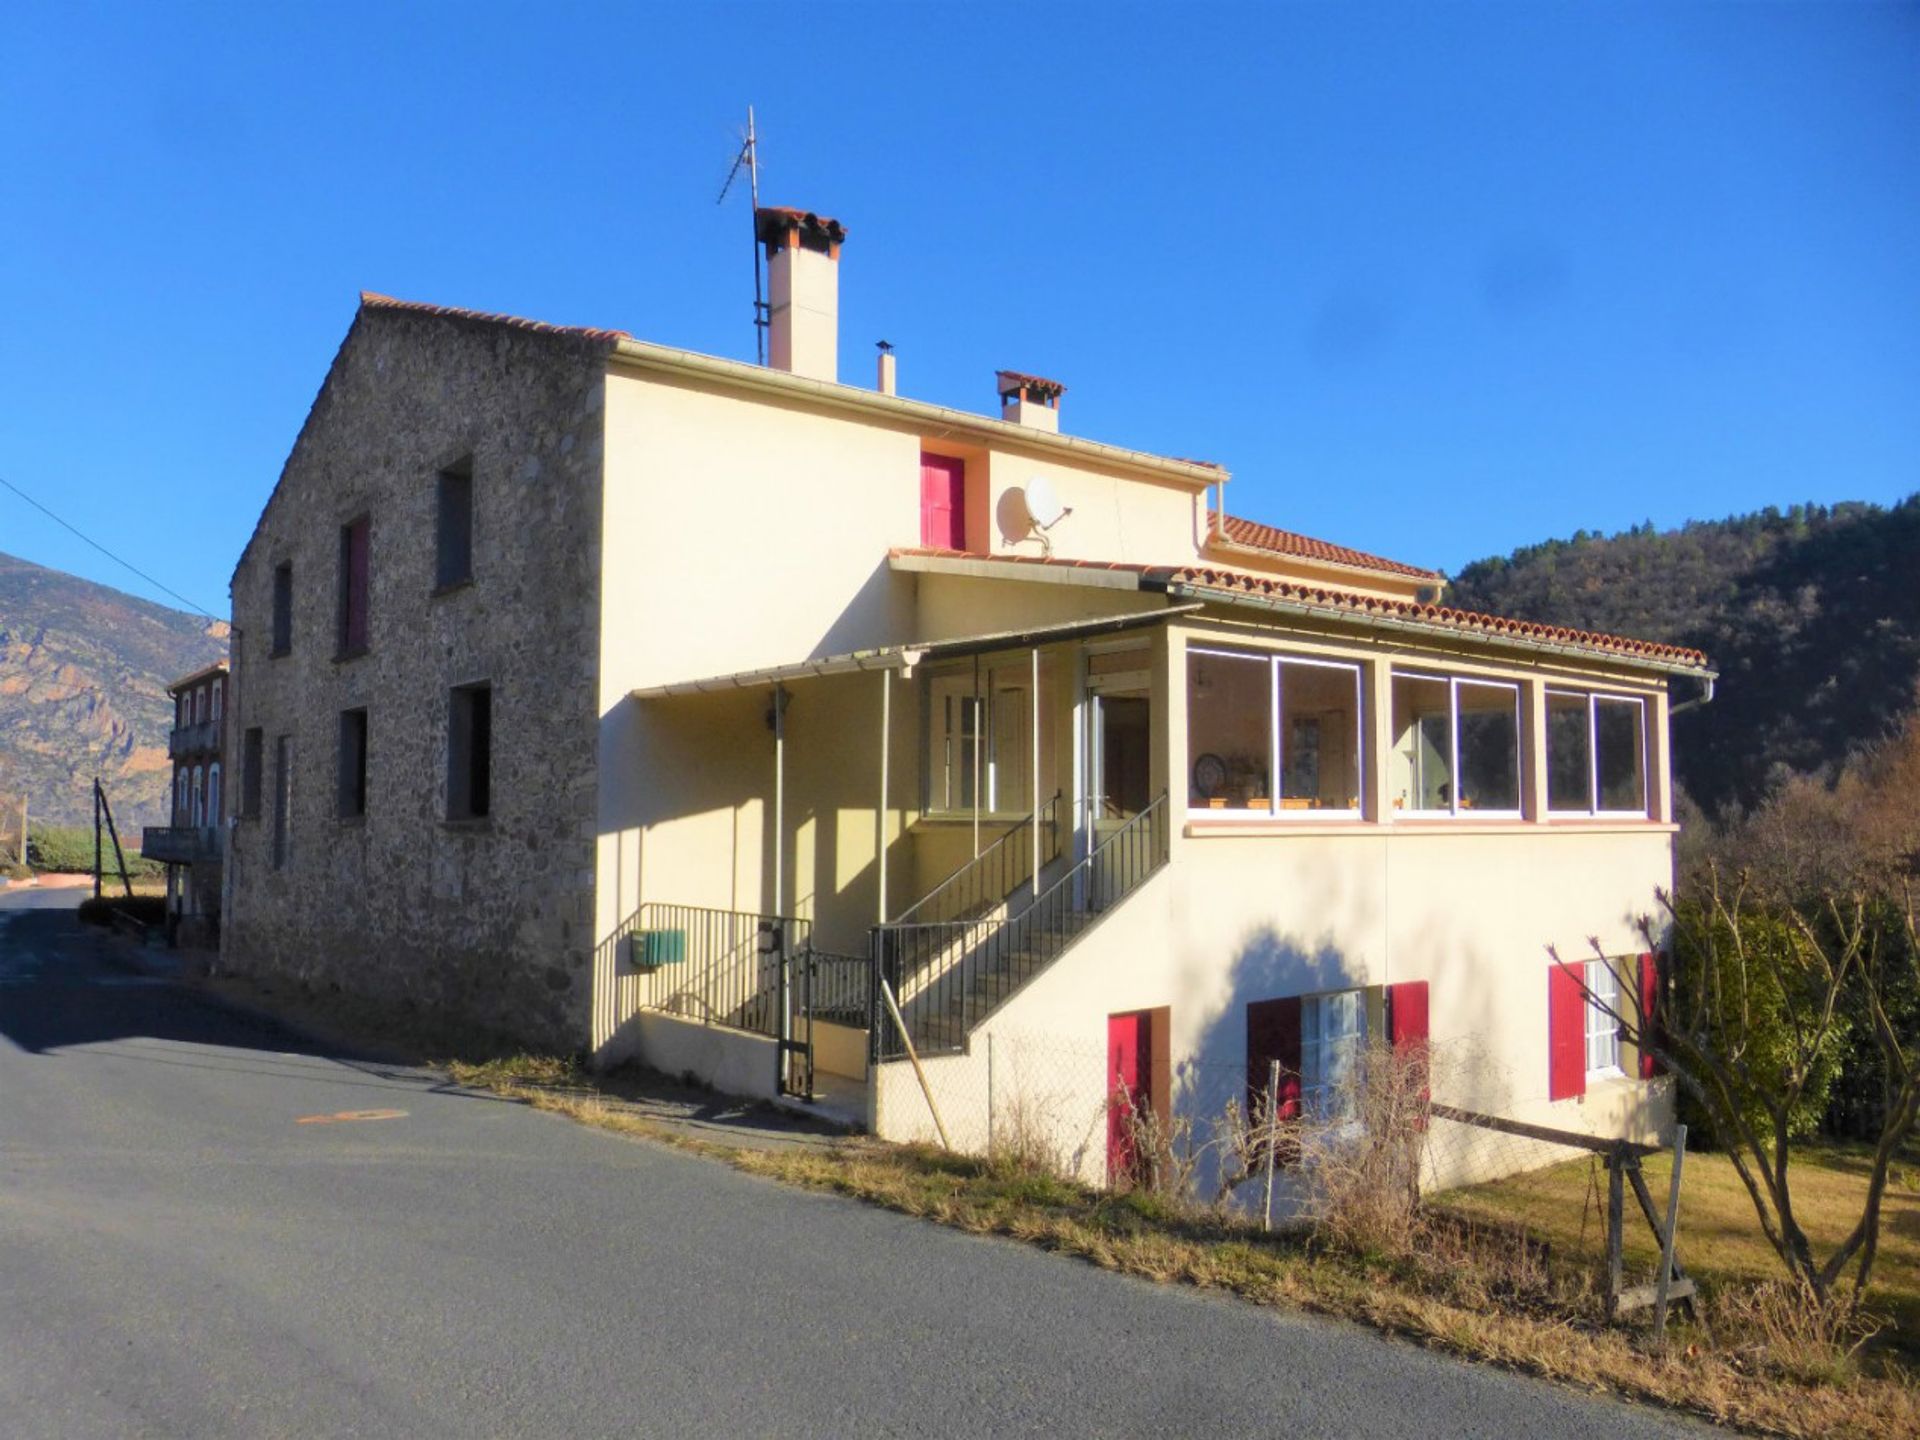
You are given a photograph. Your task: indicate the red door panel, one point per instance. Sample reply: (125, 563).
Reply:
(1129, 1086)
(943, 502)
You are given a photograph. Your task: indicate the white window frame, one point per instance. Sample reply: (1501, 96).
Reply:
(213, 794)
(1593, 810)
(1602, 997)
(1318, 1043)
(1275, 662)
(945, 771)
(1455, 810)
(219, 697)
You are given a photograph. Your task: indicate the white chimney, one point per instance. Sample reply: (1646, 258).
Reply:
(1030, 400)
(803, 290)
(888, 379)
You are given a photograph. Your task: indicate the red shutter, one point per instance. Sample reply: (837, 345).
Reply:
(1407, 1028)
(1566, 1033)
(943, 502)
(1407, 1014)
(1273, 1033)
(1649, 1014)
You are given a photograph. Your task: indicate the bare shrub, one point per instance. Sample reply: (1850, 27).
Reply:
(1362, 1155)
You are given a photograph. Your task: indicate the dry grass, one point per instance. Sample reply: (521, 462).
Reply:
(1719, 1240)
(1468, 1289)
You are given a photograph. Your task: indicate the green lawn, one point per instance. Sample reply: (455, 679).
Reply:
(1720, 1237)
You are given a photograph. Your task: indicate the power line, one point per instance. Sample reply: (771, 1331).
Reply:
(197, 609)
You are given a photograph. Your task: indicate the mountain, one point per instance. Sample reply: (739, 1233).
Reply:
(1811, 615)
(83, 677)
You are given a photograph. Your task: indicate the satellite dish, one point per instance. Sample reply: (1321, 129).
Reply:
(1043, 506)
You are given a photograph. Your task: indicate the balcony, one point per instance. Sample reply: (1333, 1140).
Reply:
(180, 844)
(201, 739)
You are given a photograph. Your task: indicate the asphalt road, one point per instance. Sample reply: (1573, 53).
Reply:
(181, 1256)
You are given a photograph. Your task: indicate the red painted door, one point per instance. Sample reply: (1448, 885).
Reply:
(943, 502)
(1129, 1087)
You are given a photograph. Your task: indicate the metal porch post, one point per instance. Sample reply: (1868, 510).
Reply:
(779, 885)
(880, 822)
(1033, 770)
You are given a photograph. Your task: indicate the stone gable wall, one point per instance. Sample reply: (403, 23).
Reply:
(486, 924)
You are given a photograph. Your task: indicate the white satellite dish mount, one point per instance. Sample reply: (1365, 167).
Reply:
(1044, 510)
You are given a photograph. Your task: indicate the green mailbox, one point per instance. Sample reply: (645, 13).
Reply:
(662, 947)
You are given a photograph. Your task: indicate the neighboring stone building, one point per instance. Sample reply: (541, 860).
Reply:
(191, 845)
(428, 565)
(635, 701)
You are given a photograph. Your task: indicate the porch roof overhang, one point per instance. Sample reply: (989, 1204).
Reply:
(904, 658)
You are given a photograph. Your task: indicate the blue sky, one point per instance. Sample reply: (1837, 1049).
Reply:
(1434, 280)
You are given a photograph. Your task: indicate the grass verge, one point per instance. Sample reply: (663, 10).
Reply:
(1474, 1294)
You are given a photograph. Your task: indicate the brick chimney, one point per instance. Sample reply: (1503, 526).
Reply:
(1030, 400)
(803, 290)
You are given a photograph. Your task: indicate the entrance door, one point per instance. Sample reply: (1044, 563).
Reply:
(1129, 1090)
(1119, 760)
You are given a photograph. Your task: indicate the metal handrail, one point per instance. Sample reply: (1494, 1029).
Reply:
(992, 875)
(713, 962)
(955, 992)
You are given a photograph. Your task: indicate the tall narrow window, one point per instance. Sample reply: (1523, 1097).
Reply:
(470, 753)
(351, 764)
(213, 793)
(252, 746)
(454, 530)
(283, 607)
(219, 697)
(282, 800)
(353, 586)
(1603, 1030)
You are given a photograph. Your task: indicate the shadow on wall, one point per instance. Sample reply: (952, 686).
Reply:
(880, 613)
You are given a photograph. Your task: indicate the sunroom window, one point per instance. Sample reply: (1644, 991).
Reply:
(1456, 747)
(1596, 754)
(980, 740)
(1252, 718)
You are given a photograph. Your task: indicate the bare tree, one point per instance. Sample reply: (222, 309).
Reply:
(1810, 944)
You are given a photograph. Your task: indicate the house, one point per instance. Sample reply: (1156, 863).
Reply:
(615, 697)
(191, 846)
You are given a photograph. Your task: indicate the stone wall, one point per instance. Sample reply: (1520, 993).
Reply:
(484, 922)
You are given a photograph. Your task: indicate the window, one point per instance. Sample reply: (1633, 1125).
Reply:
(182, 797)
(198, 814)
(351, 764)
(1596, 754)
(943, 502)
(213, 793)
(252, 744)
(353, 586)
(282, 799)
(1602, 1029)
(219, 697)
(182, 711)
(1456, 746)
(980, 739)
(453, 546)
(282, 607)
(199, 704)
(1252, 717)
(470, 753)
(1333, 1042)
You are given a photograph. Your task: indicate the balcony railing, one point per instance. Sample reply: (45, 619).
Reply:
(200, 739)
(180, 844)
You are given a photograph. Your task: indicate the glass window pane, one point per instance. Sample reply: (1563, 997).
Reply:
(1012, 747)
(1489, 747)
(1617, 726)
(1229, 731)
(1319, 737)
(1569, 753)
(1421, 775)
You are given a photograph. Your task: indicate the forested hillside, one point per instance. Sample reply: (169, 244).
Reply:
(1811, 615)
(83, 675)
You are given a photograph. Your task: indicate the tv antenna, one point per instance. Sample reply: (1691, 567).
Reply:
(748, 158)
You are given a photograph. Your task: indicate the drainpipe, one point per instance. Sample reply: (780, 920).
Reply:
(1705, 697)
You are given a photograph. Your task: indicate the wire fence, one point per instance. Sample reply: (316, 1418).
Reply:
(1215, 1134)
